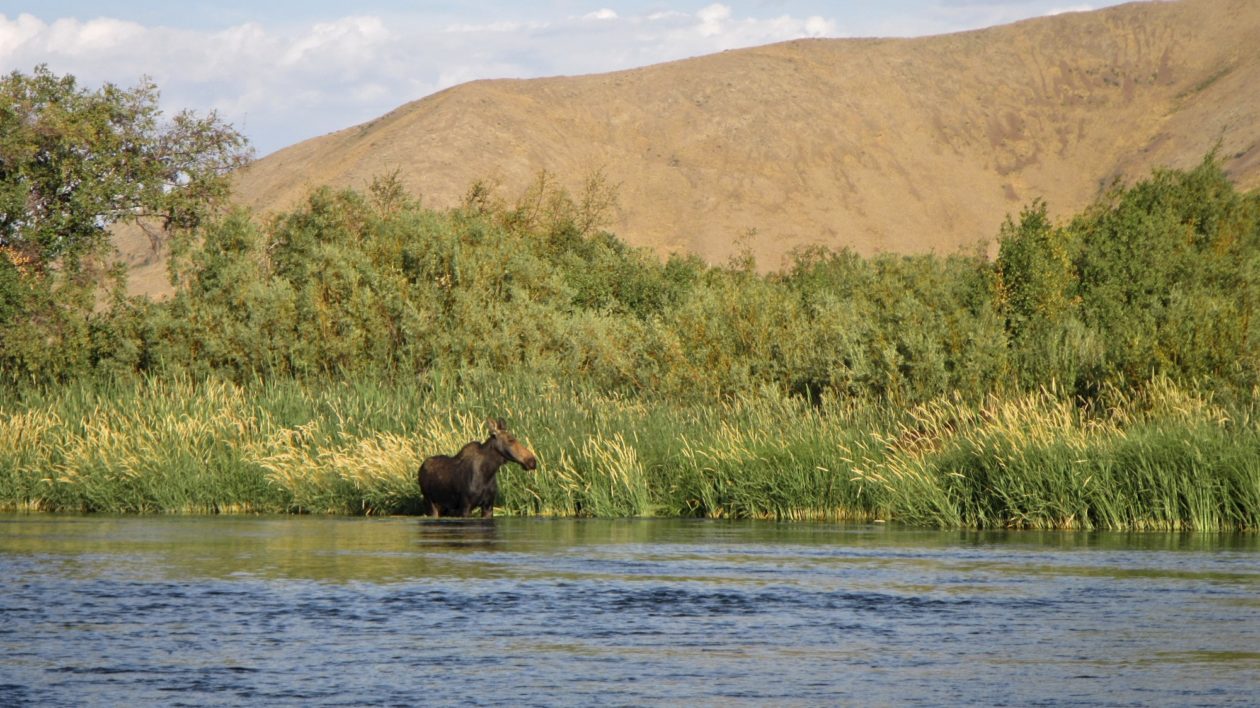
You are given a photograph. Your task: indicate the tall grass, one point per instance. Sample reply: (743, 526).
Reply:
(1159, 458)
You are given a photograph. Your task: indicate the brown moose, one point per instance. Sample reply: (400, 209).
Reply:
(454, 486)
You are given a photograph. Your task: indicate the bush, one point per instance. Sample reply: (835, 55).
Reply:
(1158, 279)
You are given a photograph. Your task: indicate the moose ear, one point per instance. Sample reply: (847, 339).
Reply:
(496, 426)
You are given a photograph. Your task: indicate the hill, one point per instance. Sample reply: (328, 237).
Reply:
(901, 145)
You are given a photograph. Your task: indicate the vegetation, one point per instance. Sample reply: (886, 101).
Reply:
(73, 163)
(1099, 373)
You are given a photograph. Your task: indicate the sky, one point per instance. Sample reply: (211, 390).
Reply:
(282, 71)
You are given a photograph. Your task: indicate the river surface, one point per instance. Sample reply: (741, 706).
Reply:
(99, 610)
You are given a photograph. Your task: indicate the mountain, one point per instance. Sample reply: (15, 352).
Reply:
(896, 145)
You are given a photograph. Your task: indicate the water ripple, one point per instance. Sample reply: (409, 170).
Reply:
(377, 613)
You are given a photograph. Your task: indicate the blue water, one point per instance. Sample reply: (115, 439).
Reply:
(401, 611)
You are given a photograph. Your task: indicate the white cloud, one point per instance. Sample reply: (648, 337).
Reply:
(665, 15)
(70, 37)
(1071, 8)
(601, 14)
(499, 27)
(713, 19)
(816, 26)
(77, 38)
(14, 34)
(350, 40)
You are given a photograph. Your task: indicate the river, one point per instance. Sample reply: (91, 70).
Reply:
(231, 610)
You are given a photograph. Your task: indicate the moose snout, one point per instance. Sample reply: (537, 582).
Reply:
(530, 463)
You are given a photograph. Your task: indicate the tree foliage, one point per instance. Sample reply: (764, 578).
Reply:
(1155, 280)
(1158, 279)
(74, 161)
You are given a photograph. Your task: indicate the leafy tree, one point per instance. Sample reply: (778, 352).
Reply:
(1035, 270)
(1169, 269)
(74, 161)
(1037, 283)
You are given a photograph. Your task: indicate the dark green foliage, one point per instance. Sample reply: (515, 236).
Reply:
(1037, 283)
(74, 162)
(1169, 270)
(897, 328)
(1160, 279)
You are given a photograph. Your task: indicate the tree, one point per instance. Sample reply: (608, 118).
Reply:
(1037, 284)
(74, 161)
(1169, 269)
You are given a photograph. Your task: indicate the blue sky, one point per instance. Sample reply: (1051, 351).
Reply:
(285, 71)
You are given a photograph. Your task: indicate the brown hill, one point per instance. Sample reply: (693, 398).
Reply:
(902, 145)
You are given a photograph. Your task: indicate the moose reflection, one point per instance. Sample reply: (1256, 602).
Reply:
(454, 486)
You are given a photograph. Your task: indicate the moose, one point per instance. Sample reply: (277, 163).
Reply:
(455, 485)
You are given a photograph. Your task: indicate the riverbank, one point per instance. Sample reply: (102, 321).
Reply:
(1161, 457)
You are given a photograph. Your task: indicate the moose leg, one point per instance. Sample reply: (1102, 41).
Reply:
(434, 510)
(487, 511)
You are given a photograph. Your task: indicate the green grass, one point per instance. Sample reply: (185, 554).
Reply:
(1161, 458)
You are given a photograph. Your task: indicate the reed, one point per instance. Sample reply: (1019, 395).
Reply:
(1162, 457)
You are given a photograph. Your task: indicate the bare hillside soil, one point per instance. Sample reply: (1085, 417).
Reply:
(907, 146)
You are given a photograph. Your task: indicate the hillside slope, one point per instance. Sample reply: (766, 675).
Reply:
(907, 145)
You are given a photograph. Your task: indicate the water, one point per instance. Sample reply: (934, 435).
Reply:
(329, 611)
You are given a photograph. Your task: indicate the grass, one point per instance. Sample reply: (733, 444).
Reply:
(1160, 458)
